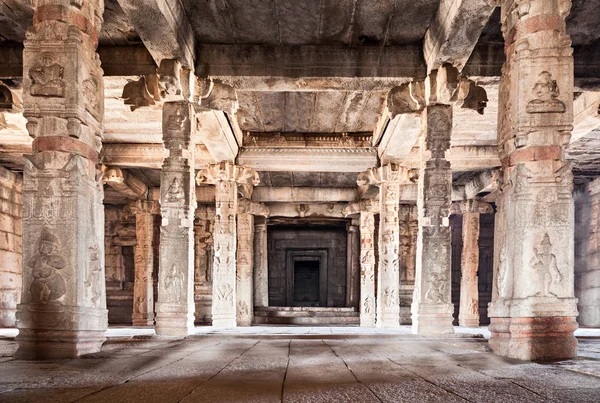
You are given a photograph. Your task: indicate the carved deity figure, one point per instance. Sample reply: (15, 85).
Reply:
(545, 92)
(174, 284)
(545, 268)
(48, 284)
(368, 307)
(437, 290)
(175, 191)
(47, 77)
(94, 274)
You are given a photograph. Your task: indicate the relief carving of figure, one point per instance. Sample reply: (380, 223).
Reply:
(545, 268)
(175, 191)
(545, 93)
(94, 274)
(438, 289)
(391, 297)
(90, 94)
(47, 77)
(48, 284)
(368, 307)
(174, 284)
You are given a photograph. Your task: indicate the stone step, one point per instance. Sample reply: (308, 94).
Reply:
(308, 321)
(304, 309)
(305, 314)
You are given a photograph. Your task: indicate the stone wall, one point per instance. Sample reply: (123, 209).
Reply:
(313, 241)
(11, 208)
(587, 254)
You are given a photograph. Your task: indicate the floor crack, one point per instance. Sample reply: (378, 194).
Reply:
(286, 369)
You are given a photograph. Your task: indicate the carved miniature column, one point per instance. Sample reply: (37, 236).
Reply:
(261, 267)
(175, 306)
(432, 308)
(63, 307)
(389, 178)
(226, 177)
(471, 211)
(143, 289)
(533, 308)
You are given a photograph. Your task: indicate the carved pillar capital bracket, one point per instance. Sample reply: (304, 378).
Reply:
(471, 206)
(63, 306)
(533, 308)
(446, 86)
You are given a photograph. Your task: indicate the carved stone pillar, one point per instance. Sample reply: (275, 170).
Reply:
(244, 260)
(203, 256)
(261, 266)
(353, 267)
(389, 178)
(432, 307)
(471, 211)
(143, 289)
(367, 269)
(226, 177)
(533, 308)
(63, 307)
(175, 306)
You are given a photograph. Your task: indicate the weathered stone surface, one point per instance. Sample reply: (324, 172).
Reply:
(261, 268)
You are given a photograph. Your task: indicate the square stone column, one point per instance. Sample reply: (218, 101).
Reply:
(432, 307)
(63, 305)
(245, 287)
(175, 306)
(367, 269)
(533, 308)
(353, 266)
(143, 288)
(261, 265)
(389, 178)
(226, 176)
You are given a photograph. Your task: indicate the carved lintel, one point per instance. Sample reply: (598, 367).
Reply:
(227, 172)
(257, 209)
(370, 206)
(387, 173)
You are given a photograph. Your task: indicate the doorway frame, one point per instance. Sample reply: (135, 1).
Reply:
(295, 255)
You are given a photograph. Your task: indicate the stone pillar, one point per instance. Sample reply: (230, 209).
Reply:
(143, 288)
(389, 178)
(261, 266)
(226, 177)
(533, 308)
(432, 307)
(63, 307)
(353, 267)
(203, 239)
(367, 269)
(244, 260)
(471, 211)
(175, 306)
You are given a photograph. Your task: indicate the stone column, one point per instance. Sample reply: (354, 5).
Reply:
(261, 266)
(175, 306)
(63, 307)
(143, 289)
(367, 269)
(353, 267)
(533, 308)
(471, 211)
(432, 307)
(389, 178)
(226, 177)
(244, 260)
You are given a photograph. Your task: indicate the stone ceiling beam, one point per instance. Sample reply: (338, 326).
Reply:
(399, 138)
(304, 194)
(309, 61)
(463, 158)
(146, 155)
(217, 135)
(586, 115)
(164, 28)
(126, 61)
(308, 159)
(455, 31)
(486, 181)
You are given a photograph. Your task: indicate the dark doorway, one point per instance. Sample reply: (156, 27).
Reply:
(306, 283)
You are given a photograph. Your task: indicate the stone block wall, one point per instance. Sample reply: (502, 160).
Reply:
(587, 254)
(11, 212)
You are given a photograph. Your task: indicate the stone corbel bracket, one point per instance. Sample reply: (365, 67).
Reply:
(447, 86)
(216, 96)
(125, 183)
(471, 206)
(387, 173)
(406, 98)
(254, 208)
(245, 177)
(355, 208)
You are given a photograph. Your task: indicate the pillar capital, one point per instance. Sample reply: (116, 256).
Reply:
(227, 172)
(446, 86)
(364, 206)
(389, 173)
(145, 207)
(471, 206)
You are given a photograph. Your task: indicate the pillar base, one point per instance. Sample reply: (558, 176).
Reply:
(57, 344)
(468, 322)
(217, 322)
(432, 320)
(244, 322)
(367, 322)
(174, 324)
(143, 320)
(389, 321)
(534, 339)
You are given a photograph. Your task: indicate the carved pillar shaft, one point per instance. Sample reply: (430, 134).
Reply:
(533, 308)
(469, 290)
(143, 289)
(63, 305)
(388, 279)
(175, 306)
(353, 267)
(226, 177)
(432, 308)
(261, 269)
(244, 260)
(367, 269)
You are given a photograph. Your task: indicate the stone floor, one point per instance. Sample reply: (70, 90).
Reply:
(293, 364)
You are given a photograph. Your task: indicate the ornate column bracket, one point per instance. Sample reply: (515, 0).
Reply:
(63, 307)
(125, 183)
(175, 306)
(226, 176)
(143, 288)
(533, 307)
(389, 178)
